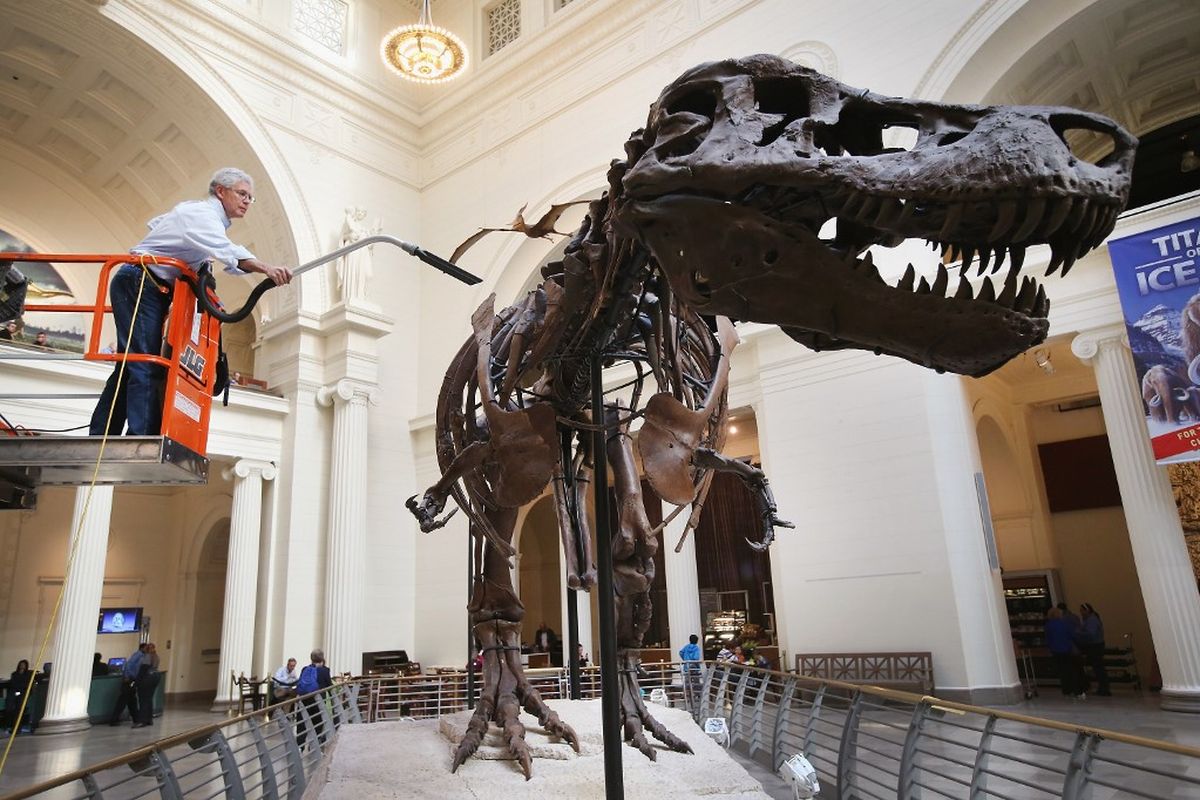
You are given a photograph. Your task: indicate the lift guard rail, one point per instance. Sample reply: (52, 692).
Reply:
(867, 743)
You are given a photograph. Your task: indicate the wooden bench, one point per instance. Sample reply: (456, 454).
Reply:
(910, 672)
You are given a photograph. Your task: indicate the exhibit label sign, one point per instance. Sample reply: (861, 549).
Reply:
(1158, 280)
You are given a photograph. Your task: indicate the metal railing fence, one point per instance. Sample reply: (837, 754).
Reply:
(265, 755)
(867, 743)
(870, 743)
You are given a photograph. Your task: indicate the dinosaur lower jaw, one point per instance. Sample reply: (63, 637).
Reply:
(724, 258)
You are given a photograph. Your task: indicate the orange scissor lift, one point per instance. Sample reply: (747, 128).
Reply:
(191, 342)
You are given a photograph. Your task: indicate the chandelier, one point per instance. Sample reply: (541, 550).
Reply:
(424, 52)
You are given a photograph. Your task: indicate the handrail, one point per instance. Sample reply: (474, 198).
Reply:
(168, 742)
(850, 744)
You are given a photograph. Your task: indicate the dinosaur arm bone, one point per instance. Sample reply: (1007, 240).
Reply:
(756, 480)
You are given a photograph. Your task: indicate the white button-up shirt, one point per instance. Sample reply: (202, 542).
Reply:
(192, 231)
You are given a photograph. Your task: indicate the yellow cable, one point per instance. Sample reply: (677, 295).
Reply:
(87, 501)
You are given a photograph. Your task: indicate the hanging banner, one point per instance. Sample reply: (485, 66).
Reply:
(1158, 280)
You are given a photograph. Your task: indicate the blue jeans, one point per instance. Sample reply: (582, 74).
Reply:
(138, 400)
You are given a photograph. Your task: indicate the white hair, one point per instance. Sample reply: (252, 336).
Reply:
(228, 177)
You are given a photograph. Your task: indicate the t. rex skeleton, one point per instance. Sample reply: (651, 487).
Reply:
(716, 213)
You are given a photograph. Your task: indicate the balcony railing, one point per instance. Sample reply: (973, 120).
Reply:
(867, 743)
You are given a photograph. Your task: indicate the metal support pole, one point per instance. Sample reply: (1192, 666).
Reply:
(470, 628)
(614, 780)
(574, 689)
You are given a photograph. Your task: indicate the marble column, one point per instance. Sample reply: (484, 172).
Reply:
(75, 629)
(241, 575)
(683, 586)
(1159, 552)
(346, 552)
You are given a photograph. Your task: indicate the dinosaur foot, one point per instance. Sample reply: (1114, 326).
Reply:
(635, 719)
(505, 692)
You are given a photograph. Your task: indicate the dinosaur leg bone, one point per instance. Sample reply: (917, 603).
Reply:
(633, 549)
(496, 615)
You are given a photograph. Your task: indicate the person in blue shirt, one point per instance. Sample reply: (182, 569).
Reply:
(690, 656)
(1090, 639)
(1060, 641)
(127, 696)
(194, 231)
(691, 650)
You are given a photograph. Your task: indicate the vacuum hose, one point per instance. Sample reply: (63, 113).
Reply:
(205, 281)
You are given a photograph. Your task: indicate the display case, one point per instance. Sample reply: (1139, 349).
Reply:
(1027, 597)
(722, 628)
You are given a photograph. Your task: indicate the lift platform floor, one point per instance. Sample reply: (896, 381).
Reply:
(28, 462)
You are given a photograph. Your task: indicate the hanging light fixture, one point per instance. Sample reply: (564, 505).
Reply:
(424, 52)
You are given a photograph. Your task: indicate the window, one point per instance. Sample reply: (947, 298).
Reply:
(503, 24)
(323, 21)
(559, 5)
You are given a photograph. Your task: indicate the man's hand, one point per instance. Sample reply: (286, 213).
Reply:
(280, 275)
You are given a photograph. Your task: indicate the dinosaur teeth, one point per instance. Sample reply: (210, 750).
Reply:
(890, 210)
(1009, 292)
(1058, 215)
(963, 292)
(1088, 223)
(1076, 214)
(1056, 259)
(985, 256)
(1086, 217)
(987, 292)
(1017, 253)
(910, 207)
(1006, 215)
(1027, 297)
(923, 286)
(954, 213)
(1068, 262)
(1033, 217)
(941, 280)
(1041, 304)
(968, 255)
(1000, 254)
(869, 207)
(906, 282)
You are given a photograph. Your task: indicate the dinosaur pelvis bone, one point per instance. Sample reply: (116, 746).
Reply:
(672, 431)
(521, 456)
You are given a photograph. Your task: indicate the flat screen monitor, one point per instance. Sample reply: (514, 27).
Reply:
(119, 620)
(116, 662)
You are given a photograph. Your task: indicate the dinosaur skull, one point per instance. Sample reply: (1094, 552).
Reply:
(743, 162)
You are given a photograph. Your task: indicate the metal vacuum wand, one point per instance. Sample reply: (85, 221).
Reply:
(206, 281)
(412, 249)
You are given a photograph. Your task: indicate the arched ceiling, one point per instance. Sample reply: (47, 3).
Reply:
(1137, 61)
(81, 92)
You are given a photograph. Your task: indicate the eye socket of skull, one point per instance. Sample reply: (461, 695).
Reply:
(684, 120)
(1088, 139)
(782, 101)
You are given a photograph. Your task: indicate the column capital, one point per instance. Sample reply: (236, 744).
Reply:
(245, 467)
(1087, 344)
(345, 391)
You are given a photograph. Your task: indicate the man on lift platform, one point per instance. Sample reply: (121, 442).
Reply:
(194, 231)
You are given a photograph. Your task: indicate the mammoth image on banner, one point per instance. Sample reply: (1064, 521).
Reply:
(1158, 279)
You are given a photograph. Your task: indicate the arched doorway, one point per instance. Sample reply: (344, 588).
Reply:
(207, 612)
(105, 132)
(540, 573)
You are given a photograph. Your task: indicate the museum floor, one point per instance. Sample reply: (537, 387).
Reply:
(38, 758)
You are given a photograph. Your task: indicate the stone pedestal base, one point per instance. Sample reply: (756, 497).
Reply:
(370, 761)
(49, 727)
(1185, 701)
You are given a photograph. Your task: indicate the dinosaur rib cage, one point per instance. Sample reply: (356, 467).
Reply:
(648, 334)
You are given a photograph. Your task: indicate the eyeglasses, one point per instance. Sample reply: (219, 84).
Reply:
(242, 193)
